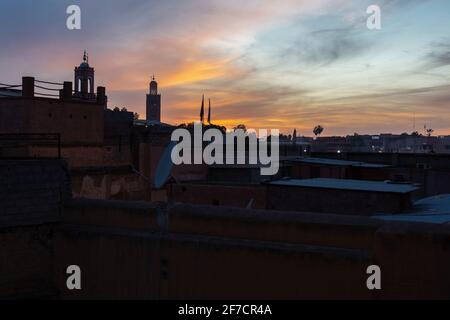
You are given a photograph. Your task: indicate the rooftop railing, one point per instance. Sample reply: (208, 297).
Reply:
(31, 88)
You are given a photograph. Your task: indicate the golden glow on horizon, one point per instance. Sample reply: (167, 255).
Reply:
(195, 72)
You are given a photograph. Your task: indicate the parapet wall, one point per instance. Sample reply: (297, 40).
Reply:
(127, 264)
(149, 251)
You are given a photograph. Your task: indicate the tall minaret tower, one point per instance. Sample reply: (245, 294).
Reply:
(153, 111)
(84, 80)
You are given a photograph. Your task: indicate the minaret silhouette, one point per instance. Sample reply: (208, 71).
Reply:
(153, 107)
(84, 79)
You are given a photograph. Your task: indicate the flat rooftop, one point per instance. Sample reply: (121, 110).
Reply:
(336, 162)
(344, 184)
(434, 209)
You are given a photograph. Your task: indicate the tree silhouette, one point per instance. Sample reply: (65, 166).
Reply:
(318, 130)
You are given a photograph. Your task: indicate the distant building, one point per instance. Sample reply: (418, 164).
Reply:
(88, 133)
(309, 168)
(75, 114)
(340, 196)
(153, 110)
(84, 80)
(386, 142)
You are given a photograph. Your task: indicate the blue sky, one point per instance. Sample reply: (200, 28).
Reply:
(269, 64)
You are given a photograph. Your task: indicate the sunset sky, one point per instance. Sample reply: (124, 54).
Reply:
(281, 64)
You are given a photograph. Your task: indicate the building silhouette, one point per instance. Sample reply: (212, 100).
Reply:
(153, 109)
(84, 80)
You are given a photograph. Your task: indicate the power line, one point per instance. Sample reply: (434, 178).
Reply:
(45, 88)
(47, 82)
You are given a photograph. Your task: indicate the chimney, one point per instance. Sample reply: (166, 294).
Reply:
(66, 93)
(101, 95)
(28, 87)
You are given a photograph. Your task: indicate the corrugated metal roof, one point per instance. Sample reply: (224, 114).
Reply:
(336, 162)
(434, 209)
(344, 184)
(430, 218)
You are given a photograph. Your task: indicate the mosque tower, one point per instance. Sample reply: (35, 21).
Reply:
(84, 80)
(153, 111)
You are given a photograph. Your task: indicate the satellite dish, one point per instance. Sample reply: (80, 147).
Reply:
(164, 168)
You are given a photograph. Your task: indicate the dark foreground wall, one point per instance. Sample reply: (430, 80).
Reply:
(31, 196)
(126, 264)
(26, 262)
(190, 252)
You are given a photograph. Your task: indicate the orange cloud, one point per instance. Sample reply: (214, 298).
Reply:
(194, 72)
